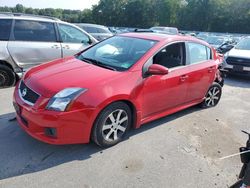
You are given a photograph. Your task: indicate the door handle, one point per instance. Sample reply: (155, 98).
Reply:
(183, 78)
(66, 47)
(55, 46)
(211, 69)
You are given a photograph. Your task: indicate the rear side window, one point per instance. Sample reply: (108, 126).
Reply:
(198, 53)
(34, 31)
(5, 27)
(90, 29)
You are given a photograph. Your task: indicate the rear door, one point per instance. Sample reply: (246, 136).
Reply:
(202, 69)
(73, 39)
(33, 43)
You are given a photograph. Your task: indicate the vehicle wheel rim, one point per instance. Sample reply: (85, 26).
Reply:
(2, 78)
(115, 125)
(213, 96)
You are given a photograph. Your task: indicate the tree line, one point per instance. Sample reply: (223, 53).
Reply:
(196, 15)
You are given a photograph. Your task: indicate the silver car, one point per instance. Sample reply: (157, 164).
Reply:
(100, 32)
(29, 40)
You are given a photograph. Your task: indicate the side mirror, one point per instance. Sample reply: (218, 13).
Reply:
(90, 41)
(156, 69)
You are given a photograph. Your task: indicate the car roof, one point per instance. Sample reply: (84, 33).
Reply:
(20, 16)
(163, 37)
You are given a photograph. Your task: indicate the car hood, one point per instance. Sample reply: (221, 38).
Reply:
(239, 53)
(50, 78)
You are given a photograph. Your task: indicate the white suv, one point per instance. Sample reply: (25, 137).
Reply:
(29, 40)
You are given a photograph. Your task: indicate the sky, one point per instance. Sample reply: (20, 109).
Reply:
(64, 4)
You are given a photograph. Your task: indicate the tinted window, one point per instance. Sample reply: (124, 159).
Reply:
(118, 52)
(89, 29)
(170, 56)
(197, 53)
(34, 31)
(103, 30)
(243, 44)
(5, 26)
(70, 34)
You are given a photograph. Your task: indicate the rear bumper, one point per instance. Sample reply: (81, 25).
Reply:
(70, 127)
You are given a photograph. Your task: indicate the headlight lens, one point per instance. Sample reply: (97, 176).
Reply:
(63, 98)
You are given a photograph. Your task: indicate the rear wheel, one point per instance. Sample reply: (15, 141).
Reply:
(7, 76)
(112, 124)
(213, 96)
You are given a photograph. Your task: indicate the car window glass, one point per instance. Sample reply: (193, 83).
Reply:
(103, 30)
(90, 29)
(209, 53)
(5, 25)
(70, 34)
(243, 44)
(119, 52)
(170, 56)
(197, 53)
(34, 31)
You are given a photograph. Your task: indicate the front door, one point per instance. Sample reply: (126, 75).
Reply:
(73, 39)
(165, 92)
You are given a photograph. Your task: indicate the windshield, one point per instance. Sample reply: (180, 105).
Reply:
(118, 52)
(215, 40)
(243, 44)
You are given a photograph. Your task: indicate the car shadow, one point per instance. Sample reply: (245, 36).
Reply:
(237, 81)
(21, 154)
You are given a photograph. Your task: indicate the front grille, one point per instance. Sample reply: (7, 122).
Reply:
(238, 61)
(28, 95)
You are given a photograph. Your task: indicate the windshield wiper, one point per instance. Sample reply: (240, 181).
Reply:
(98, 63)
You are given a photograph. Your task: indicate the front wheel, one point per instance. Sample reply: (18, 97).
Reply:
(7, 76)
(112, 124)
(213, 96)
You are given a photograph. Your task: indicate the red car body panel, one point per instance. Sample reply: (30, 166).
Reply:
(151, 98)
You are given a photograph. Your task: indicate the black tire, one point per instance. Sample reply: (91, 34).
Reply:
(7, 77)
(213, 96)
(105, 127)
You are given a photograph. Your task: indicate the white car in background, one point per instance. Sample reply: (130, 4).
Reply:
(29, 40)
(237, 60)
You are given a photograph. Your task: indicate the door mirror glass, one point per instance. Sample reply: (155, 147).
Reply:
(155, 69)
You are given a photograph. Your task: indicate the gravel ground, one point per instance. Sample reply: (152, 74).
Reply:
(181, 150)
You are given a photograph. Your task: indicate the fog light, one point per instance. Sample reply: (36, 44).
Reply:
(50, 132)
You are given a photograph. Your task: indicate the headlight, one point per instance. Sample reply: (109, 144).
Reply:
(63, 98)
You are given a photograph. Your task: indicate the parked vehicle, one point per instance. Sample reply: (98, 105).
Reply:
(117, 84)
(224, 48)
(28, 40)
(171, 30)
(244, 176)
(100, 32)
(237, 60)
(216, 41)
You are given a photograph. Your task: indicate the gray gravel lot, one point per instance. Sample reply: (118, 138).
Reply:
(181, 150)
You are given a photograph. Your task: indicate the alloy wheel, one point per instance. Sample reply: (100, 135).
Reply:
(115, 125)
(213, 96)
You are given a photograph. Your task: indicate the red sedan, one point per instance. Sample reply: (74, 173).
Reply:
(117, 84)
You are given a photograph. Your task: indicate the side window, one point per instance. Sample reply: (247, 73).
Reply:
(197, 53)
(209, 53)
(90, 29)
(25, 30)
(5, 25)
(70, 34)
(171, 56)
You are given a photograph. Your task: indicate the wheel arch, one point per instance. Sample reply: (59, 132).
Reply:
(2, 62)
(130, 104)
